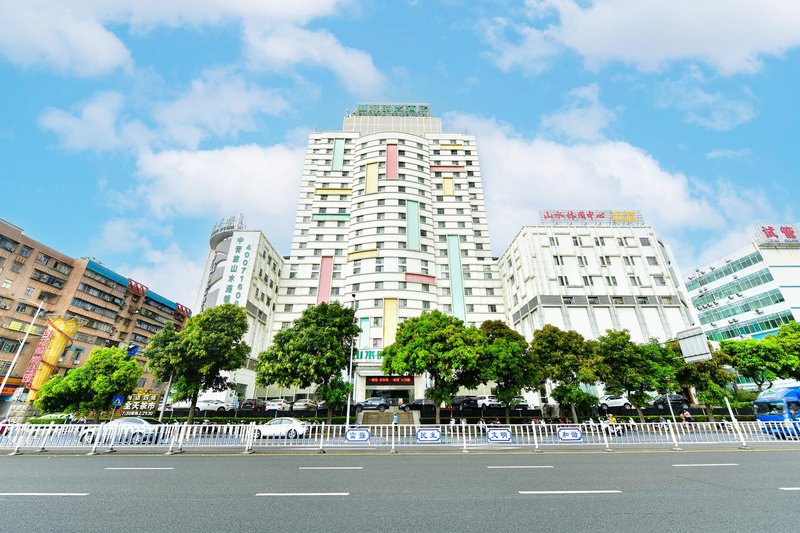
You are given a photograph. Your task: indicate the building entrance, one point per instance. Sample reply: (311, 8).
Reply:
(394, 396)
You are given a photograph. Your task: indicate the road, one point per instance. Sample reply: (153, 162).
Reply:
(507, 491)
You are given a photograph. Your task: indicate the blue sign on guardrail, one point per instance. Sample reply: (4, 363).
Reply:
(570, 435)
(118, 401)
(498, 435)
(429, 436)
(358, 435)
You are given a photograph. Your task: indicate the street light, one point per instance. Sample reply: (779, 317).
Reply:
(350, 368)
(21, 344)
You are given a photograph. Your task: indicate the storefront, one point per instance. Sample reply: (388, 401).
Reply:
(396, 389)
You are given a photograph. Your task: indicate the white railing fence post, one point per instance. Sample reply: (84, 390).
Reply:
(736, 425)
(605, 438)
(43, 447)
(175, 431)
(19, 439)
(675, 446)
(464, 435)
(321, 439)
(251, 435)
(97, 434)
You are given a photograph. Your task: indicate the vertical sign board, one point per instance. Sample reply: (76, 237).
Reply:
(239, 267)
(694, 345)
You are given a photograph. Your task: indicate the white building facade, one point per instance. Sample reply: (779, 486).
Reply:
(751, 292)
(391, 220)
(242, 268)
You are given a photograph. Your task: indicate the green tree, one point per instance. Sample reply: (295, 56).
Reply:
(211, 343)
(709, 378)
(90, 388)
(442, 346)
(315, 350)
(567, 359)
(762, 361)
(508, 362)
(635, 369)
(789, 339)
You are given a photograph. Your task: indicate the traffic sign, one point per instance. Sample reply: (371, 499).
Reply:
(498, 435)
(570, 435)
(429, 436)
(357, 435)
(117, 401)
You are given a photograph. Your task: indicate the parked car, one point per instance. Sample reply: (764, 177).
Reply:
(611, 400)
(464, 402)
(214, 405)
(252, 404)
(519, 403)
(129, 430)
(289, 428)
(487, 400)
(375, 403)
(677, 401)
(418, 405)
(304, 404)
(276, 404)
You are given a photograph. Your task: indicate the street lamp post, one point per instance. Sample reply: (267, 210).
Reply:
(21, 344)
(350, 369)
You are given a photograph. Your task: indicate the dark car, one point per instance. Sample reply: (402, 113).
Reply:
(418, 405)
(253, 404)
(373, 404)
(464, 402)
(677, 401)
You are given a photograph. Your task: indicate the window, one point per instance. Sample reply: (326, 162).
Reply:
(379, 265)
(617, 300)
(641, 300)
(626, 260)
(357, 266)
(470, 308)
(492, 308)
(553, 241)
(588, 281)
(659, 281)
(645, 241)
(290, 291)
(599, 241)
(611, 280)
(576, 241)
(402, 264)
(29, 291)
(288, 308)
(563, 281)
(651, 260)
(21, 308)
(634, 280)
(403, 303)
(424, 267)
(558, 260)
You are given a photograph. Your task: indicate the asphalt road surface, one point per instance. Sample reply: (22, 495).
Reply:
(570, 492)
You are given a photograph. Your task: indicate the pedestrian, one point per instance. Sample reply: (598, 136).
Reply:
(395, 419)
(686, 418)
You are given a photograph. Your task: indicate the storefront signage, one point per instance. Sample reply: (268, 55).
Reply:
(392, 110)
(368, 355)
(390, 380)
(590, 217)
(143, 403)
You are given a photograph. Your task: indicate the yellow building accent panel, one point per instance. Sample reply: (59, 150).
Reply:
(389, 320)
(362, 254)
(321, 190)
(372, 178)
(449, 188)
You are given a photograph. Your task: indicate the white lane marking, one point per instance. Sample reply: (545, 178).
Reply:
(44, 493)
(707, 464)
(520, 466)
(140, 468)
(535, 492)
(303, 494)
(788, 488)
(330, 468)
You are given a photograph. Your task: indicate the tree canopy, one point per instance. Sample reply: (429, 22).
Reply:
(763, 361)
(442, 346)
(709, 379)
(508, 362)
(91, 387)
(315, 350)
(211, 343)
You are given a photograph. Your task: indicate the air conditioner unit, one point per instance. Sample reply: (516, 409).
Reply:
(712, 267)
(739, 294)
(691, 276)
(736, 276)
(759, 312)
(727, 260)
(714, 324)
(5, 306)
(730, 297)
(702, 271)
(735, 319)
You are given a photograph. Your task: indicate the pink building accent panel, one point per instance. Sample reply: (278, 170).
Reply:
(325, 275)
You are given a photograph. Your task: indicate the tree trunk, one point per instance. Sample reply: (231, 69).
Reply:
(641, 414)
(190, 418)
(710, 410)
(508, 414)
(329, 418)
(96, 416)
(574, 412)
(438, 413)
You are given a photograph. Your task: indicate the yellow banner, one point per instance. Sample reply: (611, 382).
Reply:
(58, 336)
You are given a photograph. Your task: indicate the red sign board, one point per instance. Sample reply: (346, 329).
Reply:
(390, 380)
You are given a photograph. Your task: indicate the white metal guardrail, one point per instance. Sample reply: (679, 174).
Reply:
(248, 438)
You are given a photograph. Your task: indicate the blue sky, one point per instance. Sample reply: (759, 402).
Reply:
(129, 128)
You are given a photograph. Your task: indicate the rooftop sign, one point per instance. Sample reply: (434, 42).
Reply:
(392, 110)
(590, 218)
(777, 236)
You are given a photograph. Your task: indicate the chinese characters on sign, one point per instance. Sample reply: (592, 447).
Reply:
(586, 217)
(392, 110)
(777, 235)
(390, 380)
(36, 359)
(368, 355)
(239, 269)
(142, 403)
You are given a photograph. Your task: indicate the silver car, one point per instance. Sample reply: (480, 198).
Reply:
(126, 430)
(284, 427)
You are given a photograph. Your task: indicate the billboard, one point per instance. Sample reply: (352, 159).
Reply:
(694, 345)
(54, 341)
(239, 267)
(589, 217)
(778, 235)
(143, 402)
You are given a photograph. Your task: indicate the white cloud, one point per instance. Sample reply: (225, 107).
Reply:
(261, 182)
(282, 48)
(94, 125)
(729, 35)
(65, 37)
(725, 153)
(121, 235)
(522, 176)
(583, 119)
(711, 110)
(219, 104)
(516, 46)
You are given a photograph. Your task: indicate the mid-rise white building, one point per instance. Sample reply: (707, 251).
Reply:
(753, 291)
(593, 275)
(391, 219)
(244, 269)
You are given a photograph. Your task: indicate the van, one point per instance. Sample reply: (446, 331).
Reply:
(778, 412)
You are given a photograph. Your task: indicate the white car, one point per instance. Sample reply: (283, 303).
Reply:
(288, 428)
(304, 404)
(487, 400)
(611, 400)
(277, 404)
(214, 405)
